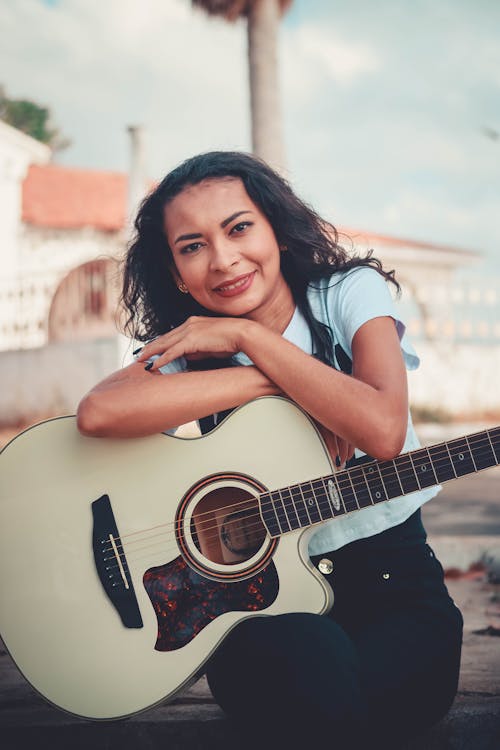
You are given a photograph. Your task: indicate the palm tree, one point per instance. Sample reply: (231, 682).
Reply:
(263, 18)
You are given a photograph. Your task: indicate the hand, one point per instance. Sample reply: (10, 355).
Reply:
(197, 338)
(339, 449)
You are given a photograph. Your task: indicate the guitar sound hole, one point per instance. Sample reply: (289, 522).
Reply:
(226, 526)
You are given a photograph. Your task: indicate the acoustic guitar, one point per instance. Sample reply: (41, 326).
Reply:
(124, 563)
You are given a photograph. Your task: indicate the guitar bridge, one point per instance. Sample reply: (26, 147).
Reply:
(111, 564)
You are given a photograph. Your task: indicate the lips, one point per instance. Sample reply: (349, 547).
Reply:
(235, 286)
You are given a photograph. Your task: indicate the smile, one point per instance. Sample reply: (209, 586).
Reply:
(236, 286)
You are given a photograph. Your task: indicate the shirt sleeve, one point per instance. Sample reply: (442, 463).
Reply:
(361, 295)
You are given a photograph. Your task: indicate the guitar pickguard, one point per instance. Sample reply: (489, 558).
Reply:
(186, 602)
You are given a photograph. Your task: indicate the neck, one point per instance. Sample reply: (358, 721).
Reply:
(374, 482)
(279, 310)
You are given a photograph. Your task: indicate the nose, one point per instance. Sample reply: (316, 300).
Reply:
(224, 255)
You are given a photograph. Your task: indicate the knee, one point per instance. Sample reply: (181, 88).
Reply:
(299, 665)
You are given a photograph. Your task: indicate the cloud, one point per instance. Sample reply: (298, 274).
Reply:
(103, 66)
(344, 61)
(384, 103)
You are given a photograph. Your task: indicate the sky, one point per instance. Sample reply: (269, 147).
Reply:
(391, 109)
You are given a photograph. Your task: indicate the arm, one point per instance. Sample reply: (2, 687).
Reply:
(368, 410)
(133, 403)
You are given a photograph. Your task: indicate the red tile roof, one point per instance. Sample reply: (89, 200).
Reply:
(357, 235)
(65, 198)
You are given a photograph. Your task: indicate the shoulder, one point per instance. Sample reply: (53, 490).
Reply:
(344, 293)
(346, 300)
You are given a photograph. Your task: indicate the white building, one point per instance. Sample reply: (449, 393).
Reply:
(63, 233)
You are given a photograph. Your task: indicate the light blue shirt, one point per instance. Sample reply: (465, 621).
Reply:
(344, 302)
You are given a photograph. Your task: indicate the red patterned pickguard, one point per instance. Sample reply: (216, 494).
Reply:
(185, 602)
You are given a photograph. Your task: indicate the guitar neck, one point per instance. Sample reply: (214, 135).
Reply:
(374, 482)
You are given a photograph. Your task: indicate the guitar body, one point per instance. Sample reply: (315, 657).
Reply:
(120, 572)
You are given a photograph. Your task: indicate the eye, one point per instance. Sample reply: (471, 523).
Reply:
(192, 248)
(240, 227)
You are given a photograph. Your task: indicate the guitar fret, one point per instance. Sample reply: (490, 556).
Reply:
(348, 473)
(374, 483)
(382, 480)
(424, 469)
(494, 437)
(482, 451)
(390, 477)
(299, 506)
(336, 480)
(346, 491)
(310, 501)
(460, 455)
(406, 473)
(322, 499)
(269, 515)
(327, 495)
(305, 504)
(363, 496)
(280, 512)
(471, 454)
(492, 448)
(292, 517)
(414, 471)
(441, 462)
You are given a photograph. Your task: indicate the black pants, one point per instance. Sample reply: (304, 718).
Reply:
(381, 667)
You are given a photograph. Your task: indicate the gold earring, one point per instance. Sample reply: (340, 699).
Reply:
(182, 287)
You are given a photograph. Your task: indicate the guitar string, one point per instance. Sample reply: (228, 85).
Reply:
(165, 549)
(340, 476)
(321, 504)
(389, 472)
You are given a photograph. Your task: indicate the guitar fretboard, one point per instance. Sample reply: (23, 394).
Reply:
(367, 484)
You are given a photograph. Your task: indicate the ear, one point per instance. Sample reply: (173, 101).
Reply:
(174, 273)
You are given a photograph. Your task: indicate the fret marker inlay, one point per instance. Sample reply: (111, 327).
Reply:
(334, 495)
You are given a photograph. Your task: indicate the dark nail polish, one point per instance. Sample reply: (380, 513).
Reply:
(138, 350)
(149, 366)
(337, 461)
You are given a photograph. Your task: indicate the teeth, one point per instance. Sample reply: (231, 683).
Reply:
(233, 286)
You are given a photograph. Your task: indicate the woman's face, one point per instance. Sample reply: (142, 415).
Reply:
(225, 251)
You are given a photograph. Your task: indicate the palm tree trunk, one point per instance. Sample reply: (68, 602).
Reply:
(267, 137)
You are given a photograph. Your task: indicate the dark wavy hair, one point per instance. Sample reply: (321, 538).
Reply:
(150, 295)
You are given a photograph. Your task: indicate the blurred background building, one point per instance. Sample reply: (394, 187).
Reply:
(64, 230)
(64, 235)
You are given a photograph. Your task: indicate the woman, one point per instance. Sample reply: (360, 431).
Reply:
(230, 268)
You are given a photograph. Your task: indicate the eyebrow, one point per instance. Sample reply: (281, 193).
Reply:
(223, 224)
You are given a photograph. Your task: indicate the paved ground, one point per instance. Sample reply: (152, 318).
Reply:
(194, 722)
(469, 506)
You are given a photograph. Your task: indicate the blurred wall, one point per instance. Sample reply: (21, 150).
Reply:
(455, 380)
(50, 380)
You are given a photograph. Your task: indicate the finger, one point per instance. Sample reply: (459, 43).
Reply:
(345, 450)
(174, 352)
(158, 346)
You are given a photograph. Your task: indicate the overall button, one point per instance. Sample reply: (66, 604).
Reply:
(325, 566)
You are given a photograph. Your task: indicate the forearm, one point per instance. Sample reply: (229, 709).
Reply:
(132, 403)
(361, 413)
